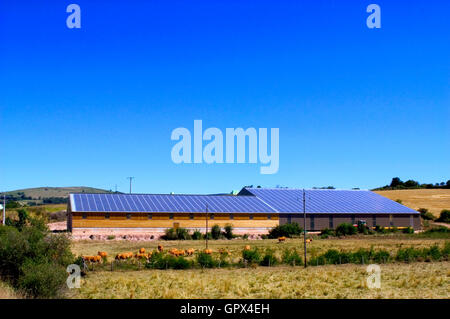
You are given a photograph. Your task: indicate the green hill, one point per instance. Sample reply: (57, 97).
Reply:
(49, 195)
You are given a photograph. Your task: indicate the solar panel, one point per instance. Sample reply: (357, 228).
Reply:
(326, 201)
(167, 203)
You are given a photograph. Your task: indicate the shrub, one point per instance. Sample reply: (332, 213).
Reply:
(181, 263)
(425, 214)
(287, 230)
(269, 259)
(110, 237)
(176, 234)
(291, 257)
(216, 232)
(408, 230)
(361, 256)
(197, 235)
(444, 217)
(407, 254)
(205, 260)
(245, 236)
(43, 280)
(381, 256)
(251, 256)
(332, 256)
(326, 232)
(345, 229)
(228, 231)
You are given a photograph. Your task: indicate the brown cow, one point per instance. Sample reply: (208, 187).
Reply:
(208, 251)
(160, 248)
(247, 247)
(190, 252)
(142, 250)
(281, 239)
(102, 254)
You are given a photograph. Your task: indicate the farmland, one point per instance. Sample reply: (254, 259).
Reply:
(434, 200)
(399, 280)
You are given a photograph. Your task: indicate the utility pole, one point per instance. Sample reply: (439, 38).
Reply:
(4, 209)
(206, 233)
(116, 188)
(304, 223)
(130, 178)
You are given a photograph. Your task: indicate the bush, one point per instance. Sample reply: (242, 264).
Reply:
(228, 232)
(345, 229)
(197, 235)
(291, 257)
(326, 232)
(216, 232)
(444, 217)
(381, 256)
(205, 260)
(181, 263)
(408, 230)
(407, 254)
(425, 214)
(176, 234)
(33, 259)
(251, 256)
(269, 259)
(287, 230)
(110, 237)
(43, 280)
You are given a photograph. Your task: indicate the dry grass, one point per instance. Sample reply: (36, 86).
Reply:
(6, 292)
(434, 200)
(418, 280)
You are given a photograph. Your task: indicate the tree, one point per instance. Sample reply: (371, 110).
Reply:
(411, 183)
(396, 182)
(448, 183)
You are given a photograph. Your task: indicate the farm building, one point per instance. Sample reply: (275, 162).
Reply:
(252, 210)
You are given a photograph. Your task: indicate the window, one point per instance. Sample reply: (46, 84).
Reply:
(211, 216)
(312, 226)
(191, 216)
(374, 220)
(330, 222)
(171, 216)
(231, 216)
(107, 216)
(353, 219)
(128, 216)
(391, 221)
(251, 216)
(84, 215)
(289, 218)
(150, 216)
(268, 216)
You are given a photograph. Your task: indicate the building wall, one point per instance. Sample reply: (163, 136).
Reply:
(321, 221)
(166, 220)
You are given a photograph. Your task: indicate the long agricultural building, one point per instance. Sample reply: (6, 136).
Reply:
(252, 210)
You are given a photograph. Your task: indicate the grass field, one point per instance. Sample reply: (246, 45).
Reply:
(6, 292)
(417, 280)
(399, 280)
(434, 200)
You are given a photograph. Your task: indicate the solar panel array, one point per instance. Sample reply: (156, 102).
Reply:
(286, 200)
(167, 203)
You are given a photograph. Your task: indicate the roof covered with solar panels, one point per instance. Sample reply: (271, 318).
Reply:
(153, 203)
(249, 200)
(290, 200)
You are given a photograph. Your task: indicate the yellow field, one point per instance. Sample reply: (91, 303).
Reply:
(417, 280)
(434, 200)
(6, 292)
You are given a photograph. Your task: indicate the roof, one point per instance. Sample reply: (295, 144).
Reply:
(167, 203)
(289, 200)
(249, 200)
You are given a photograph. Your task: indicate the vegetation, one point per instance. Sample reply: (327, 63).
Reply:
(444, 217)
(345, 229)
(397, 183)
(286, 230)
(425, 214)
(31, 259)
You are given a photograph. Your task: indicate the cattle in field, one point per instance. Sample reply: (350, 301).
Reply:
(102, 254)
(208, 251)
(190, 252)
(281, 239)
(247, 247)
(160, 248)
(308, 240)
(92, 259)
(142, 251)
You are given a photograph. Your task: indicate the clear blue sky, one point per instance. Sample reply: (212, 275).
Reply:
(355, 106)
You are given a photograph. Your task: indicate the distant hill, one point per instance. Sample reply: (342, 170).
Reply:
(434, 200)
(49, 195)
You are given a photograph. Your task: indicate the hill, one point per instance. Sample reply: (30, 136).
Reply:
(55, 195)
(434, 200)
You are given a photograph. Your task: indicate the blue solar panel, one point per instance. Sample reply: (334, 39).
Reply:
(286, 200)
(167, 203)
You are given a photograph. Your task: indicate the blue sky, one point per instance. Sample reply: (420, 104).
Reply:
(91, 106)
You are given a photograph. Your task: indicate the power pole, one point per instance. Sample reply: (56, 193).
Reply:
(304, 223)
(130, 178)
(4, 209)
(206, 233)
(116, 188)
